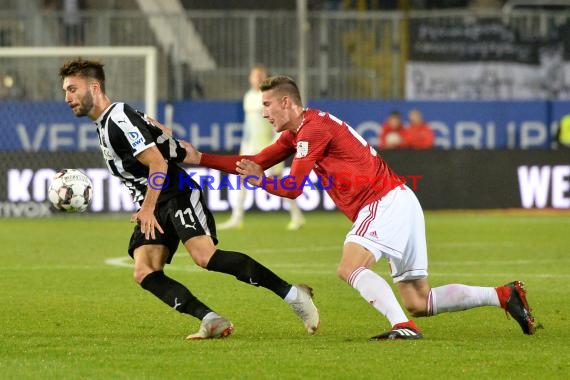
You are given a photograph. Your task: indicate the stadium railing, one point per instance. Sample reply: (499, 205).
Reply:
(353, 55)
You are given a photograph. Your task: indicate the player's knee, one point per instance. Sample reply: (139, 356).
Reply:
(201, 250)
(417, 312)
(202, 255)
(201, 259)
(416, 309)
(140, 273)
(343, 272)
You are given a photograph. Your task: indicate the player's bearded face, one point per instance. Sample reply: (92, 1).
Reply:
(85, 104)
(78, 95)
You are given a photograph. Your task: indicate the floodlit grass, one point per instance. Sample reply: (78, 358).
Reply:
(67, 314)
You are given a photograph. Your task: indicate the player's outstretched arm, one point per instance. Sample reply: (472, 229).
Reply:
(193, 156)
(267, 158)
(252, 171)
(290, 186)
(162, 127)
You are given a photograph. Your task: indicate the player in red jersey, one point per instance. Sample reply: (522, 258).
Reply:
(388, 219)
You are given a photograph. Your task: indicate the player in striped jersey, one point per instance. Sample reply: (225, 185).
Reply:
(388, 219)
(144, 155)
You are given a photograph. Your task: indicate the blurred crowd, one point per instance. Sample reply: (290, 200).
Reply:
(416, 134)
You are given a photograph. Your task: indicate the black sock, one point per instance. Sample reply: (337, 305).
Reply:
(246, 269)
(174, 294)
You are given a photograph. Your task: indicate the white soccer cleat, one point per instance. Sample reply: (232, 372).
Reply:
(305, 309)
(230, 225)
(295, 224)
(213, 328)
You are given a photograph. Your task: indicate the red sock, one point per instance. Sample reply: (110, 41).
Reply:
(410, 324)
(503, 292)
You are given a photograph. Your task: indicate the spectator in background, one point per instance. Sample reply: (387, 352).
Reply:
(191, 88)
(563, 135)
(393, 134)
(257, 134)
(73, 24)
(419, 134)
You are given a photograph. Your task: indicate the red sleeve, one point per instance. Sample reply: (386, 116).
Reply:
(405, 142)
(382, 138)
(268, 157)
(290, 186)
(424, 138)
(311, 145)
(429, 138)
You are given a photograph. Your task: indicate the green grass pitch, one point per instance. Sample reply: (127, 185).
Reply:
(68, 314)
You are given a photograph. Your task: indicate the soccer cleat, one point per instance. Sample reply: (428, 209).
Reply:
(406, 330)
(296, 224)
(230, 224)
(512, 297)
(305, 309)
(213, 328)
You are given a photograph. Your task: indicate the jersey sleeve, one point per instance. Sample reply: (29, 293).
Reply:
(169, 147)
(268, 157)
(134, 130)
(290, 186)
(312, 143)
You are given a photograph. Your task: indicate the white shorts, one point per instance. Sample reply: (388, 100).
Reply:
(394, 228)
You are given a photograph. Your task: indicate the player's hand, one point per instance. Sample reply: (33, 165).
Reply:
(147, 221)
(250, 169)
(162, 127)
(193, 156)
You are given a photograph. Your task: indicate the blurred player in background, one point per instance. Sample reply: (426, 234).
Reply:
(145, 156)
(393, 134)
(388, 219)
(419, 134)
(257, 134)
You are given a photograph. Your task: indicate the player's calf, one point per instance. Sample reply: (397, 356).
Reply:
(247, 270)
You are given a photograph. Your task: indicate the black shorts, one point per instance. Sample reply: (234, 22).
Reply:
(181, 218)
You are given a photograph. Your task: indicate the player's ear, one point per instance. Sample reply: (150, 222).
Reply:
(96, 86)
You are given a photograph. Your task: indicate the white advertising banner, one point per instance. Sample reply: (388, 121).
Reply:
(487, 58)
(486, 80)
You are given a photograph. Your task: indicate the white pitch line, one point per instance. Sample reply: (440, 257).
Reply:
(120, 262)
(126, 262)
(336, 248)
(308, 269)
(325, 269)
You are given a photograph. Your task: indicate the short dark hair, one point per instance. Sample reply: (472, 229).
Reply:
(84, 68)
(283, 84)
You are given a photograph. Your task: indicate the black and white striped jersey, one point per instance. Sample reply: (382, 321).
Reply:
(123, 134)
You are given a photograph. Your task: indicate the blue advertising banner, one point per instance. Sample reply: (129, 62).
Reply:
(216, 126)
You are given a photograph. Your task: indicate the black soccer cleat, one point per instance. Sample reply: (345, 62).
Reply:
(512, 297)
(405, 331)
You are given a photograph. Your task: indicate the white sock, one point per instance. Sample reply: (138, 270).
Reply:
(237, 210)
(456, 297)
(237, 200)
(376, 291)
(210, 315)
(294, 210)
(292, 295)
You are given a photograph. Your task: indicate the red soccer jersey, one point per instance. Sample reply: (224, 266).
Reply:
(420, 136)
(350, 170)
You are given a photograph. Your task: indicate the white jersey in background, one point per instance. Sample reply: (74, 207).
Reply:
(257, 132)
